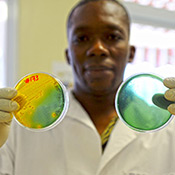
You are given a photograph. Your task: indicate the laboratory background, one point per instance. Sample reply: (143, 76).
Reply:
(33, 38)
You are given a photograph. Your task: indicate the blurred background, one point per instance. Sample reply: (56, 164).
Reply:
(33, 38)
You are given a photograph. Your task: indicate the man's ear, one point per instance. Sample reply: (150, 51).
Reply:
(67, 56)
(132, 54)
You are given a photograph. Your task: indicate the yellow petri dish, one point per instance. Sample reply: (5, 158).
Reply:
(43, 101)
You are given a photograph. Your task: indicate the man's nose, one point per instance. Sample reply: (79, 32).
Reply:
(98, 49)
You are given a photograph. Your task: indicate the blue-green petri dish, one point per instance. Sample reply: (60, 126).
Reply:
(141, 105)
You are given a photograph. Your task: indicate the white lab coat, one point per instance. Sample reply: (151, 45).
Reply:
(74, 148)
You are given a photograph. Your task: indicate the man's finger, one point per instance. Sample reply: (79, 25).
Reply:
(171, 108)
(8, 105)
(169, 82)
(5, 117)
(8, 93)
(170, 95)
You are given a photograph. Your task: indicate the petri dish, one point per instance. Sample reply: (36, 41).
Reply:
(141, 105)
(43, 101)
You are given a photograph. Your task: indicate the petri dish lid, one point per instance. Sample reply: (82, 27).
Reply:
(43, 101)
(141, 105)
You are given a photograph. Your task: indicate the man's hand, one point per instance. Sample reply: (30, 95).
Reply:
(170, 94)
(6, 107)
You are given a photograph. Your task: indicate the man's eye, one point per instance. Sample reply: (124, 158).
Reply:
(114, 37)
(82, 38)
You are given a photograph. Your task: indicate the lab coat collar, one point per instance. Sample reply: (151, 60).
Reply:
(121, 137)
(77, 112)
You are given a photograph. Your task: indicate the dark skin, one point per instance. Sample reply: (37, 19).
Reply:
(98, 52)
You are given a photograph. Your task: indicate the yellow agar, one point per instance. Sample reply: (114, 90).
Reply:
(41, 101)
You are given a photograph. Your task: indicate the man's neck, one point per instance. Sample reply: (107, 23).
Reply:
(101, 109)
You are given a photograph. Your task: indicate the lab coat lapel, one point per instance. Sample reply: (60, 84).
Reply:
(76, 112)
(120, 137)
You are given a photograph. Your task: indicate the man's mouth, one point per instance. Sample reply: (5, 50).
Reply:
(98, 68)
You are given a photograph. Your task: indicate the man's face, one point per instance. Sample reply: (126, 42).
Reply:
(98, 47)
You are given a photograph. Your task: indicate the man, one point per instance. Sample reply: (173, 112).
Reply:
(83, 144)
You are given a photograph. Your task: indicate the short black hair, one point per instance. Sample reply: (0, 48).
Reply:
(82, 2)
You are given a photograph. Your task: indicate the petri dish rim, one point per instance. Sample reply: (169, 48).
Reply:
(65, 108)
(117, 103)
